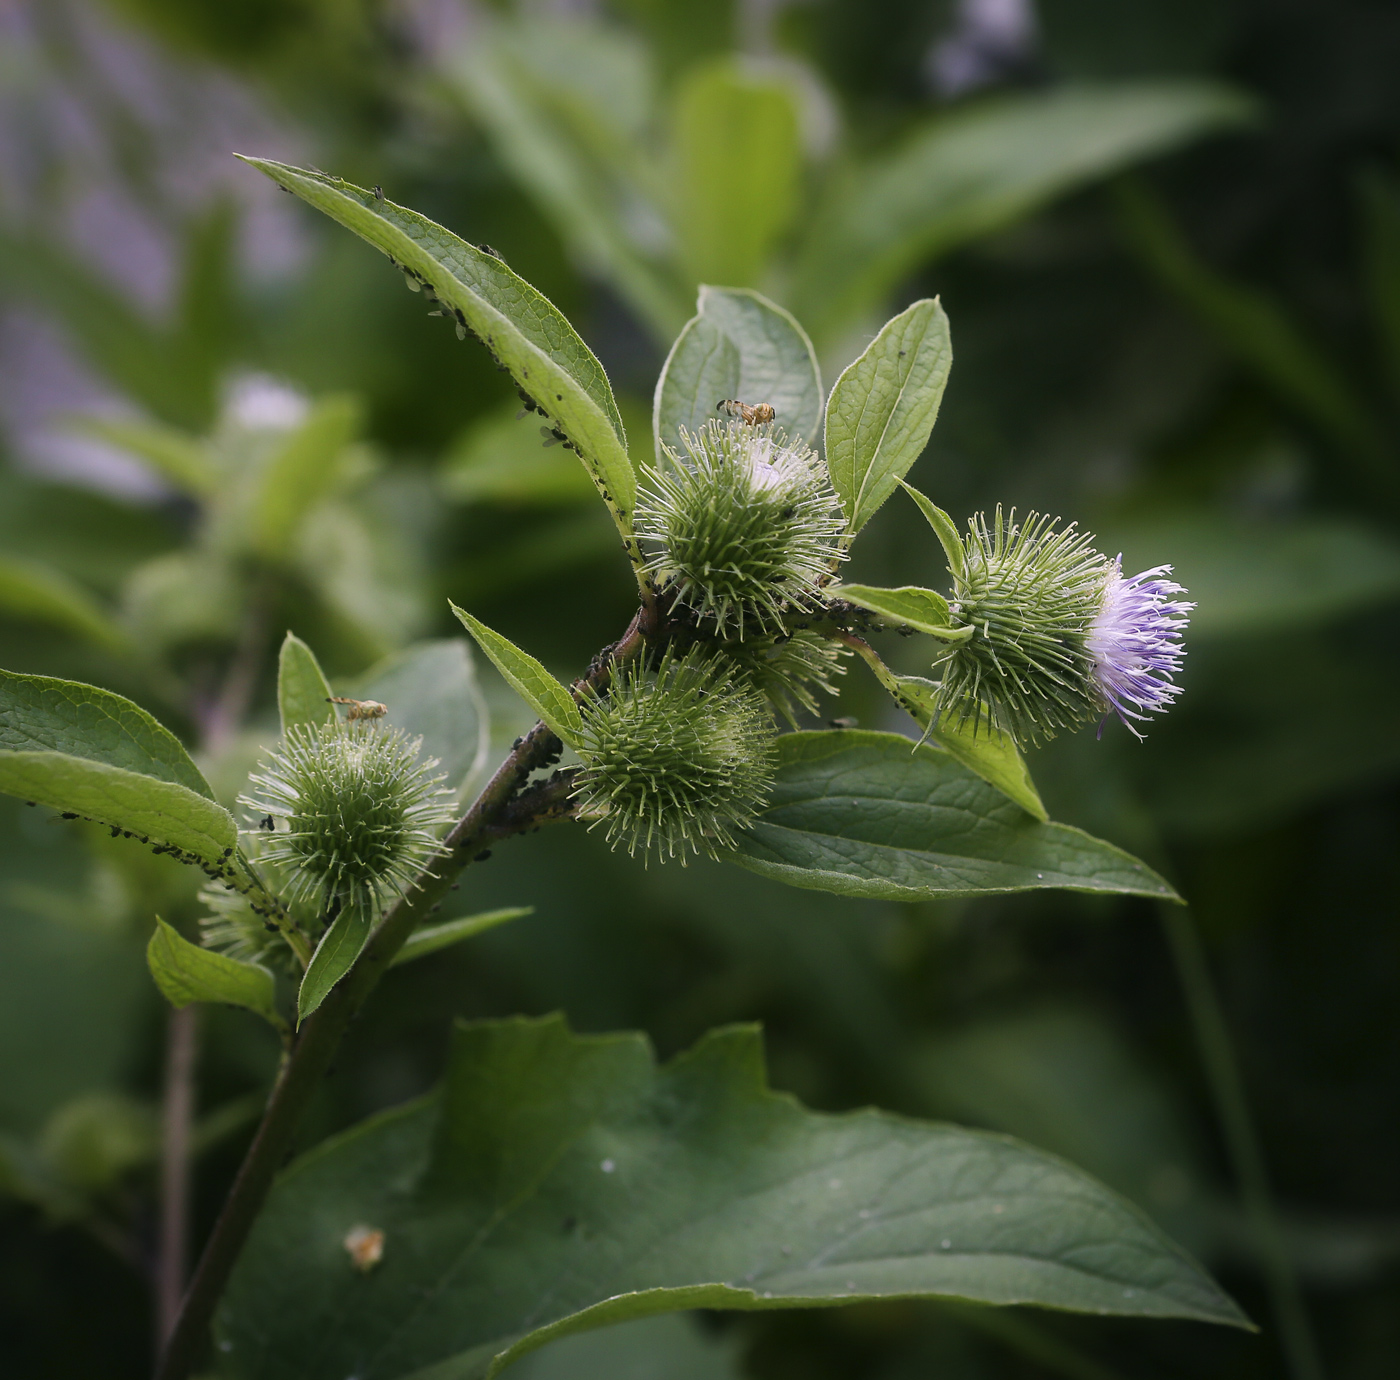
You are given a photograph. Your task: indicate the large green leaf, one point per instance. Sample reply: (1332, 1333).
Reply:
(40, 593)
(738, 345)
(1263, 576)
(187, 973)
(430, 689)
(92, 753)
(561, 1182)
(738, 169)
(975, 171)
(303, 694)
(883, 408)
(524, 330)
(1258, 329)
(861, 814)
(567, 105)
(304, 467)
(528, 678)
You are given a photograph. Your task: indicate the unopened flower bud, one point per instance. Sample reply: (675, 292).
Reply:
(354, 815)
(677, 759)
(744, 526)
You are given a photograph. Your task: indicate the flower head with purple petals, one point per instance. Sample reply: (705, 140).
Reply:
(1136, 643)
(1054, 636)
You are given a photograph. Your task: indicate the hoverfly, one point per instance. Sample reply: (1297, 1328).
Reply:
(757, 415)
(365, 1247)
(361, 709)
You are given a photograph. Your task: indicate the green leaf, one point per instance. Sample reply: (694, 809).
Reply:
(524, 330)
(883, 408)
(1257, 329)
(860, 814)
(567, 106)
(175, 455)
(431, 938)
(992, 754)
(922, 609)
(340, 946)
(944, 528)
(501, 459)
(40, 593)
(303, 469)
(967, 174)
(1255, 577)
(1379, 198)
(558, 1183)
(738, 169)
(92, 753)
(303, 693)
(431, 690)
(545, 695)
(186, 973)
(738, 345)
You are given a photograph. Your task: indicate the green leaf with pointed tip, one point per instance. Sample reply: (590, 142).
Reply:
(175, 455)
(92, 753)
(431, 938)
(738, 345)
(37, 592)
(186, 973)
(979, 169)
(861, 814)
(560, 1182)
(992, 754)
(944, 528)
(567, 106)
(524, 330)
(883, 408)
(730, 114)
(340, 946)
(545, 695)
(303, 693)
(303, 469)
(923, 609)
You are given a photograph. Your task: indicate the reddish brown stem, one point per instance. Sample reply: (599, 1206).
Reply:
(177, 1115)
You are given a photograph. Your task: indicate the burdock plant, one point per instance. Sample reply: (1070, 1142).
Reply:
(546, 1158)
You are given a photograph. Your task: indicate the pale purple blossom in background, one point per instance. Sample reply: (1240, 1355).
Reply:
(1136, 643)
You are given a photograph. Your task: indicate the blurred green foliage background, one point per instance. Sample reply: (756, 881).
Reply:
(1167, 233)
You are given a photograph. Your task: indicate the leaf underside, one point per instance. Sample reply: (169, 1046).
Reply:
(738, 345)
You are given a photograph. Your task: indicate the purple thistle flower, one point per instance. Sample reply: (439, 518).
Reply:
(1135, 641)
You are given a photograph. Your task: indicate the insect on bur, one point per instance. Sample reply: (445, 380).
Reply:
(845, 721)
(360, 709)
(759, 414)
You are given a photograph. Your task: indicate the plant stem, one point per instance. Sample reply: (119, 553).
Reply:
(1242, 1143)
(177, 1115)
(498, 812)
